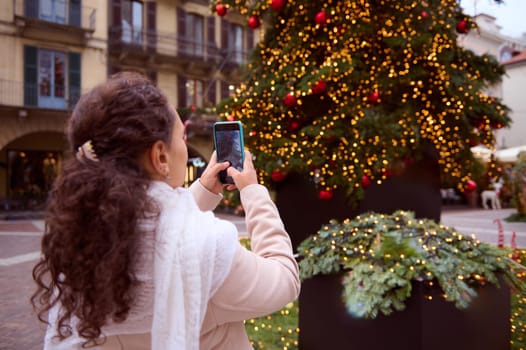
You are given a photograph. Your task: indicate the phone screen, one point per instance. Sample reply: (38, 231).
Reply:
(228, 140)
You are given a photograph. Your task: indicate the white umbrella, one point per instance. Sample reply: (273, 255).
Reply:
(509, 154)
(481, 152)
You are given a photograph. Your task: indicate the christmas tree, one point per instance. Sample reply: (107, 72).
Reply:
(349, 92)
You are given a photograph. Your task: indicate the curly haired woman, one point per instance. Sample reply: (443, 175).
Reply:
(130, 258)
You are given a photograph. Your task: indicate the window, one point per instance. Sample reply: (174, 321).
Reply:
(194, 93)
(132, 22)
(57, 11)
(53, 10)
(235, 43)
(52, 79)
(194, 29)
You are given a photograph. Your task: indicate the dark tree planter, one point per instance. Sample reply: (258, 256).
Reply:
(324, 322)
(417, 190)
(425, 324)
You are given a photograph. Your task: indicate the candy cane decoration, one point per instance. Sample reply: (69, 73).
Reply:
(501, 233)
(514, 240)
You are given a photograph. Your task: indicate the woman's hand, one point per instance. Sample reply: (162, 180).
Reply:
(210, 179)
(246, 177)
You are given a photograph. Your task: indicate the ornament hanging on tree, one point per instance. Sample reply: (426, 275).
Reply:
(294, 125)
(321, 18)
(290, 100)
(253, 22)
(424, 14)
(319, 87)
(365, 181)
(462, 26)
(277, 175)
(278, 5)
(470, 186)
(325, 195)
(221, 10)
(374, 97)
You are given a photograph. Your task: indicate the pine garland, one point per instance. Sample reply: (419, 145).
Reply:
(381, 255)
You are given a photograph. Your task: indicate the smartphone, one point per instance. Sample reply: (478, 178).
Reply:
(229, 145)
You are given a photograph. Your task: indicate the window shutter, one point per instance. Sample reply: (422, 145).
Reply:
(224, 34)
(116, 21)
(211, 93)
(31, 8)
(74, 76)
(181, 30)
(211, 40)
(181, 91)
(151, 26)
(30, 76)
(75, 13)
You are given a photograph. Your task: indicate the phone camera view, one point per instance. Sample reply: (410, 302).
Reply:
(229, 147)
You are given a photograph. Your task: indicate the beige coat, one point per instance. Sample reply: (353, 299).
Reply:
(260, 281)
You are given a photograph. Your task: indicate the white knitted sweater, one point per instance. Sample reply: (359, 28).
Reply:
(182, 263)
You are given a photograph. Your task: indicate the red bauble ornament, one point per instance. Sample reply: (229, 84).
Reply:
(374, 97)
(320, 87)
(290, 100)
(365, 181)
(253, 22)
(221, 10)
(277, 175)
(496, 125)
(325, 195)
(424, 14)
(294, 125)
(470, 186)
(321, 18)
(462, 27)
(278, 5)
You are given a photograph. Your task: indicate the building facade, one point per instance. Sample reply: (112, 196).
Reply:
(513, 86)
(54, 50)
(487, 38)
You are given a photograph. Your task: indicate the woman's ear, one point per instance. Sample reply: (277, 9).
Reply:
(158, 159)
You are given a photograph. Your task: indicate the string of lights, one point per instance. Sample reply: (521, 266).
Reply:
(348, 92)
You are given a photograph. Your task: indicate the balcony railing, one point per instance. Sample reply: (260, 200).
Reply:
(172, 45)
(18, 94)
(62, 12)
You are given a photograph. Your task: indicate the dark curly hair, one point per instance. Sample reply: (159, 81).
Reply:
(95, 207)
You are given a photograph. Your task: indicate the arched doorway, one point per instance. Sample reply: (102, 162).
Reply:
(30, 164)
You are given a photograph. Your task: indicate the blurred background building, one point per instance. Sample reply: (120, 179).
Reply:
(54, 50)
(487, 38)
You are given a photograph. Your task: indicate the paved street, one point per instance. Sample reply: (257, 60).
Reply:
(484, 225)
(19, 246)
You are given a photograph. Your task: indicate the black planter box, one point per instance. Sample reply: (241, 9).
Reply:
(425, 324)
